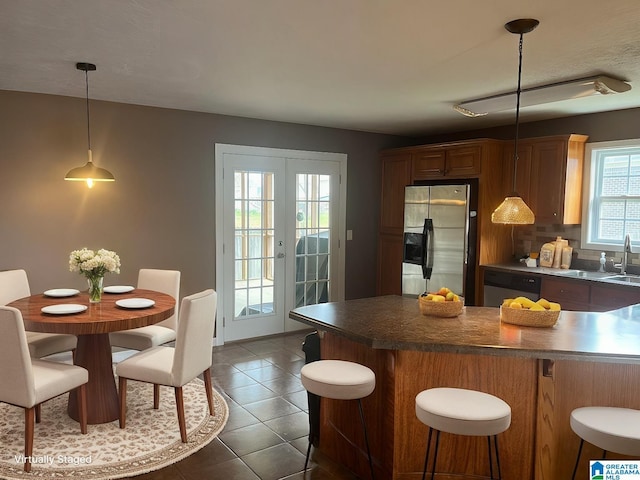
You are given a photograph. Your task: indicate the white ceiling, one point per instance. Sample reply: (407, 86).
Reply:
(392, 66)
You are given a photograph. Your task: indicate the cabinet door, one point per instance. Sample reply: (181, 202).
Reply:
(613, 297)
(548, 174)
(571, 295)
(462, 161)
(389, 281)
(428, 163)
(396, 174)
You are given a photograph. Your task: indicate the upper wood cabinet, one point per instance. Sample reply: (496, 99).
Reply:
(438, 161)
(396, 174)
(549, 177)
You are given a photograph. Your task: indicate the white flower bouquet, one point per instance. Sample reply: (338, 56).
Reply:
(94, 265)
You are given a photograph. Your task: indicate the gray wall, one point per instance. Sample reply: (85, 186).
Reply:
(160, 212)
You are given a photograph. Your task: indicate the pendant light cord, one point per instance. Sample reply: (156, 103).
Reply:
(86, 79)
(515, 142)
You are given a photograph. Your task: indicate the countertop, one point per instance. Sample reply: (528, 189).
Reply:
(600, 277)
(394, 322)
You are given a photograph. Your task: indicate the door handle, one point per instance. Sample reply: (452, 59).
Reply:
(280, 255)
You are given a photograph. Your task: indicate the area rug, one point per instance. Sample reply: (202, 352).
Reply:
(150, 441)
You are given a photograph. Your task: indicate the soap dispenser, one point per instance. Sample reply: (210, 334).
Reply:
(603, 260)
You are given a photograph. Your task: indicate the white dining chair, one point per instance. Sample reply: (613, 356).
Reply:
(27, 382)
(164, 281)
(175, 367)
(14, 284)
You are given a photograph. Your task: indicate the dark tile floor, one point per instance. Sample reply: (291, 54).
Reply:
(266, 434)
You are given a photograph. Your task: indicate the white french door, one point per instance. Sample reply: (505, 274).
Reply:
(279, 218)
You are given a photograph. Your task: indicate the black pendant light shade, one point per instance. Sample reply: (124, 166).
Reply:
(88, 172)
(513, 210)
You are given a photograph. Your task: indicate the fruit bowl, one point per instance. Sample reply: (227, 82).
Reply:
(440, 309)
(529, 318)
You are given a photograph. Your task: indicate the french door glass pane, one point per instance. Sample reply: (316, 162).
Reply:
(313, 238)
(253, 247)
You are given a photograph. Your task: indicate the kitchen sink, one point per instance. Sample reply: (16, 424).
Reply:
(624, 278)
(574, 273)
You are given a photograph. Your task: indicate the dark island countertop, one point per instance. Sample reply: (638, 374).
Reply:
(395, 323)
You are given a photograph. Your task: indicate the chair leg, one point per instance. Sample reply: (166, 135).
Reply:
(495, 442)
(37, 407)
(82, 413)
(435, 455)
(575, 468)
(306, 460)
(209, 389)
(156, 396)
(181, 421)
(122, 387)
(426, 456)
(490, 456)
(366, 438)
(29, 426)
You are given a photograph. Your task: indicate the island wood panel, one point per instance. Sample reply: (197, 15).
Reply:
(576, 384)
(512, 379)
(341, 436)
(398, 439)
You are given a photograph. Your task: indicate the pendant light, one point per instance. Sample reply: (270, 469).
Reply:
(89, 172)
(513, 210)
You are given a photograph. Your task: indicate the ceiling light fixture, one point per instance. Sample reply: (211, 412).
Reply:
(89, 172)
(557, 92)
(513, 210)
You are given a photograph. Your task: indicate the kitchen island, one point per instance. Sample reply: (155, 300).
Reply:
(543, 373)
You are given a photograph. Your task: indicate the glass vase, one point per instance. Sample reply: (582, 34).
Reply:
(95, 289)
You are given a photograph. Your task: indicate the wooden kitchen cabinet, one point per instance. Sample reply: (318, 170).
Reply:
(549, 177)
(419, 164)
(609, 297)
(437, 162)
(570, 294)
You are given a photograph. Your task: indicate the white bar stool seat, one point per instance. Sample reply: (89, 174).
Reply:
(612, 429)
(339, 380)
(462, 412)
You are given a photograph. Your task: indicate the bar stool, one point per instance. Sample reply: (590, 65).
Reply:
(462, 412)
(339, 380)
(612, 429)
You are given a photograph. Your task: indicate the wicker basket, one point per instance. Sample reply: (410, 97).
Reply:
(440, 309)
(529, 318)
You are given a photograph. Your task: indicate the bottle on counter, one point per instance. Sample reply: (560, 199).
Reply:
(603, 261)
(557, 254)
(546, 254)
(567, 252)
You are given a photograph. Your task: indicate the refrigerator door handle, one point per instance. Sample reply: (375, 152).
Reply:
(427, 248)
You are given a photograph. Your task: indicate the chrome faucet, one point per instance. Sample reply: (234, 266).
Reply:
(627, 249)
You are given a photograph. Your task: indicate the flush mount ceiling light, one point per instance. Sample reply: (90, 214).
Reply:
(89, 172)
(583, 87)
(513, 210)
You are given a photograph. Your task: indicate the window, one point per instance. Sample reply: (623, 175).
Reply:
(613, 183)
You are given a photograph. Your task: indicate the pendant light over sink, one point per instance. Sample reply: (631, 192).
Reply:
(89, 172)
(513, 210)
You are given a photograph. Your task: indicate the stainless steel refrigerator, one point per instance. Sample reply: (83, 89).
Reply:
(439, 238)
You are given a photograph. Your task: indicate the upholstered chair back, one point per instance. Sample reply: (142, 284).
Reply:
(14, 284)
(165, 281)
(17, 385)
(194, 336)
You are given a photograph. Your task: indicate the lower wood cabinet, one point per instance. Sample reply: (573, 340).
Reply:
(587, 296)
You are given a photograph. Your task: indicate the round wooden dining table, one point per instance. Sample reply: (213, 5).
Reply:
(92, 327)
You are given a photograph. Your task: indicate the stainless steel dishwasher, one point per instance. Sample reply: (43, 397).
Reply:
(499, 285)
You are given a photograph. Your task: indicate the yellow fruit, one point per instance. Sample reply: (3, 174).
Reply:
(449, 296)
(438, 298)
(506, 302)
(443, 291)
(537, 307)
(515, 304)
(429, 296)
(554, 306)
(525, 302)
(456, 298)
(543, 302)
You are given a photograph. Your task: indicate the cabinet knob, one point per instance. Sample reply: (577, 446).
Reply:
(555, 214)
